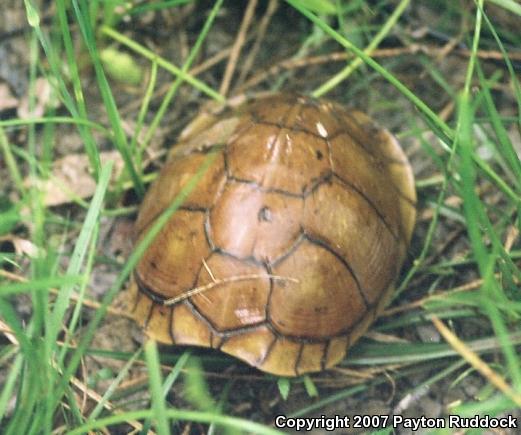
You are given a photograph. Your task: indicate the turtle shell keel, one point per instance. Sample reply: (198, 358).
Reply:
(287, 249)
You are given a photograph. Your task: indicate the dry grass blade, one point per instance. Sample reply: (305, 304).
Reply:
(237, 46)
(88, 392)
(4, 329)
(261, 32)
(218, 282)
(472, 285)
(91, 394)
(74, 297)
(475, 361)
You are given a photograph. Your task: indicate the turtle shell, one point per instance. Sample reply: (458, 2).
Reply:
(288, 247)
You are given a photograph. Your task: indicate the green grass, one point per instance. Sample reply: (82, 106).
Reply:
(471, 157)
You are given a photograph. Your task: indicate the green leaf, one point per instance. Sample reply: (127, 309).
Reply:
(196, 388)
(284, 385)
(310, 386)
(509, 5)
(8, 219)
(121, 66)
(154, 376)
(32, 14)
(319, 6)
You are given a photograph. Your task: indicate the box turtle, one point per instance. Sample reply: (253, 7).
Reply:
(287, 249)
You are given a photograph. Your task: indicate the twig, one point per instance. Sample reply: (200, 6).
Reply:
(429, 50)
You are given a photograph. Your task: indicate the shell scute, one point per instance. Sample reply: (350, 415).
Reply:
(322, 299)
(247, 222)
(287, 161)
(238, 302)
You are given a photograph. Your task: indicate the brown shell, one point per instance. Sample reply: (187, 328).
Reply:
(288, 248)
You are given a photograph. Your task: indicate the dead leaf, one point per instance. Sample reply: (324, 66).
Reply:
(71, 179)
(44, 99)
(7, 98)
(22, 246)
